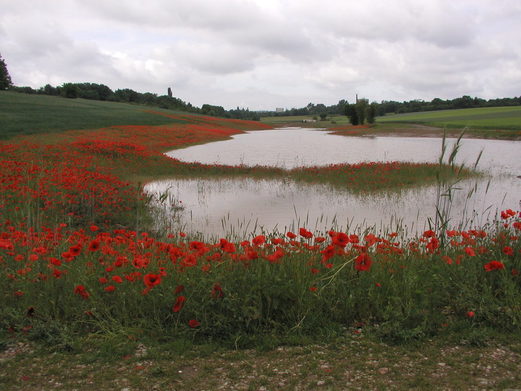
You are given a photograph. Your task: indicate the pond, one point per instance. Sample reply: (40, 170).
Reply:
(240, 207)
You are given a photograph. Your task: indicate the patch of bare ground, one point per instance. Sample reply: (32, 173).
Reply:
(357, 364)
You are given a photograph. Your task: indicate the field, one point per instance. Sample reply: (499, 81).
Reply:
(33, 114)
(486, 122)
(483, 117)
(84, 273)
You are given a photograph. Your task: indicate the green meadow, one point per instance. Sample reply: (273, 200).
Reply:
(482, 117)
(24, 114)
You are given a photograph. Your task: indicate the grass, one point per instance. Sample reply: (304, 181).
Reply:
(24, 114)
(485, 122)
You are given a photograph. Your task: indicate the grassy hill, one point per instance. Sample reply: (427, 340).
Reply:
(29, 114)
(483, 117)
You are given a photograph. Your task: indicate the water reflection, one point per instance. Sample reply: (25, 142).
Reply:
(243, 206)
(293, 147)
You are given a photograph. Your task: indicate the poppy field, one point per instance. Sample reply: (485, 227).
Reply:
(79, 254)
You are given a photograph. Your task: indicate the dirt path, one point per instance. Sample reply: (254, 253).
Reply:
(355, 364)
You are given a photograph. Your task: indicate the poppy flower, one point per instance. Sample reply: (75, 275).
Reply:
(291, 235)
(305, 233)
(94, 245)
(82, 291)
(217, 291)
(180, 301)
(340, 239)
(151, 280)
(493, 265)
(259, 240)
(363, 262)
(193, 323)
(470, 251)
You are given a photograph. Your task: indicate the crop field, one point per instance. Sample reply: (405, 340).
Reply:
(483, 117)
(33, 114)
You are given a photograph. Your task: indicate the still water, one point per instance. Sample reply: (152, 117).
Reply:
(244, 206)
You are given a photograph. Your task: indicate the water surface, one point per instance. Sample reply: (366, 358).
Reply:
(215, 207)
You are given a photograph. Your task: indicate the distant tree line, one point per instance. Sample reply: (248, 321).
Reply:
(96, 91)
(369, 111)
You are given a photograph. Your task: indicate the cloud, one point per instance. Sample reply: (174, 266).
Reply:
(268, 53)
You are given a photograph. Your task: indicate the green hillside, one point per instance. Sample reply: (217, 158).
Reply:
(29, 114)
(484, 117)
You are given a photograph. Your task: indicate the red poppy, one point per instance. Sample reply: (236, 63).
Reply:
(340, 239)
(217, 291)
(305, 233)
(291, 235)
(363, 262)
(179, 289)
(259, 240)
(94, 245)
(508, 250)
(80, 290)
(470, 251)
(493, 265)
(193, 323)
(151, 280)
(180, 301)
(110, 288)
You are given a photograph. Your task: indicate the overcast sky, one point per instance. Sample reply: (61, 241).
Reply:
(263, 54)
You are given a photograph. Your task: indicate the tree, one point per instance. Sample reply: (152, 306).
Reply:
(371, 113)
(69, 90)
(361, 110)
(5, 78)
(352, 113)
(169, 92)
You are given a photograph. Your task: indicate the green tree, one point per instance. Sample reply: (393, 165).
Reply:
(5, 78)
(352, 113)
(361, 110)
(371, 113)
(69, 90)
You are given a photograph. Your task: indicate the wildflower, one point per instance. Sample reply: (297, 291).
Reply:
(82, 291)
(470, 251)
(508, 250)
(193, 323)
(217, 291)
(340, 239)
(470, 314)
(363, 262)
(305, 233)
(151, 280)
(94, 245)
(493, 265)
(180, 301)
(259, 240)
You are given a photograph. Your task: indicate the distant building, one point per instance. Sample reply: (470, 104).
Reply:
(279, 109)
